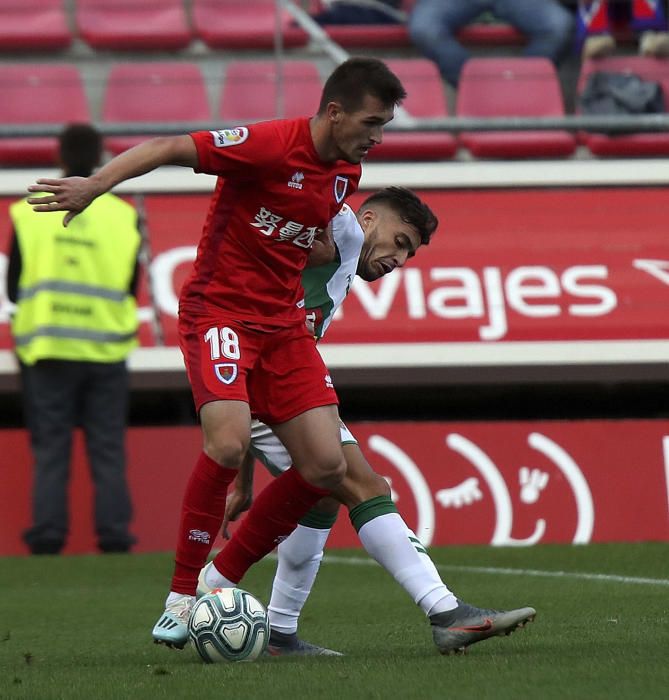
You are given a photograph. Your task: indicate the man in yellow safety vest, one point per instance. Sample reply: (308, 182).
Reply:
(74, 326)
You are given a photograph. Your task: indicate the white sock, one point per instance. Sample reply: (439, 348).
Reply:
(215, 579)
(300, 557)
(388, 540)
(173, 597)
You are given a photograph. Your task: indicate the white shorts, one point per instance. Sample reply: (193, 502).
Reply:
(266, 447)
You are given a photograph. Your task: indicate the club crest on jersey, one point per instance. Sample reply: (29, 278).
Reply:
(226, 372)
(296, 181)
(230, 137)
(340, 187)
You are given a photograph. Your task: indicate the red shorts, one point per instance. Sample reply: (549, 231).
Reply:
(280, 374)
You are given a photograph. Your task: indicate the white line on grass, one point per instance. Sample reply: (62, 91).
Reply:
(503, 571)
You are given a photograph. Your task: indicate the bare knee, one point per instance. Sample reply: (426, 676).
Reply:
(229, 453)
(354, 489)
(326, 474)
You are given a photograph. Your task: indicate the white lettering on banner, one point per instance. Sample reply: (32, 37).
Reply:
(532, 483)
(162, 276)
(657, 268)
(500, 493)
(461, 294)
(466, 295)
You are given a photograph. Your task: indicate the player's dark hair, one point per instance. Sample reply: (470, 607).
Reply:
(80, 149)
(356, 78)
(410, 208)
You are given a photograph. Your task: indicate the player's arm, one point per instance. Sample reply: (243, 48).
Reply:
(323, 248)
(74, 194)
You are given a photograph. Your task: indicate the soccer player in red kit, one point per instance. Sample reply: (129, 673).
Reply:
(241, 316)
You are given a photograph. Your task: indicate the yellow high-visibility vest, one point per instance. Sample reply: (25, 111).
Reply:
(73, 297)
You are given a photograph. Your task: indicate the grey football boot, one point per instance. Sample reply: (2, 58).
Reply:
(456, 629)
(281, 644)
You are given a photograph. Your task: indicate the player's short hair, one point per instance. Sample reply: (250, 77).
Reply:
(409, 207)
(80, 149)
(356, 78)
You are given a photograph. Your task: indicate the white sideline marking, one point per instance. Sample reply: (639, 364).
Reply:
(503, 571)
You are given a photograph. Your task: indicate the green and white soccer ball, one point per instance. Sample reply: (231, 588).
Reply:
(228, 624)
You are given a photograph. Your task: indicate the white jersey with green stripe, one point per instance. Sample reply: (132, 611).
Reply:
(326, 286)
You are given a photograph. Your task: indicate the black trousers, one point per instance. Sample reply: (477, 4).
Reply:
(58, 396)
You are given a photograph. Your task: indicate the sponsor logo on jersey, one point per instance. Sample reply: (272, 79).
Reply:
(230, 137)
(199, 536)
(340, 187)
(296, 181)
(226, 372)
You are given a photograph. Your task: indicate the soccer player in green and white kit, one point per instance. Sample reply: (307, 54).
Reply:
(387, 230)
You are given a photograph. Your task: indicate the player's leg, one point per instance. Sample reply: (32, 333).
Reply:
(311, 438)
(220, 394)
(291, 390)
(299, 559)
(386, 537)
(225, 427)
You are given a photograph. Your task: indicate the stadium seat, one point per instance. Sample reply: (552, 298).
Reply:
(249, 91)
(512, 87)
(153, 92)
(648, 144)
(229, 24)
(133, 24)
(38, 94)
(33, 25)
(425, 99)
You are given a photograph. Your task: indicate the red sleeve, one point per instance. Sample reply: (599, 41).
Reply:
(239, 151)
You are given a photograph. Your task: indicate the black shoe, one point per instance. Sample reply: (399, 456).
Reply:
(116, 546)
(46, 547)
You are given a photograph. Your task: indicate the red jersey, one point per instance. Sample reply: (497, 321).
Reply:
(273, 196)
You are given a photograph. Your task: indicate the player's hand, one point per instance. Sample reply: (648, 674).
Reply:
(236, 503)
(69, 194)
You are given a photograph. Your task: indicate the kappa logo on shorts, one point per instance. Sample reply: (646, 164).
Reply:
(230, 137)
(328, 382)
(226, 372)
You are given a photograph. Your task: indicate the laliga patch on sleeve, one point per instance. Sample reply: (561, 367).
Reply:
(230, 137)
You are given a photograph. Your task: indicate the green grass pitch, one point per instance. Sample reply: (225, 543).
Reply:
(80, 627)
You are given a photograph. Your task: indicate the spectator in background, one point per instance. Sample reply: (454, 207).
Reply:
(74, 325)
(644, 17)
(361, 12)
(434, 24)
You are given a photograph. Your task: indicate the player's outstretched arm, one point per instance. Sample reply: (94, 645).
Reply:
(74, 194)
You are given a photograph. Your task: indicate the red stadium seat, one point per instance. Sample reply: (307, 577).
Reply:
(38, 94)
(490, 34)
(648, 144)
(512, 87)
(33, 25)
(425, 99)
(249, 92)
(229, 24)
(153, 92)
(133, 24)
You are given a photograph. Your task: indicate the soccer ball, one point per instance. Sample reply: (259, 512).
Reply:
(228, 624)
